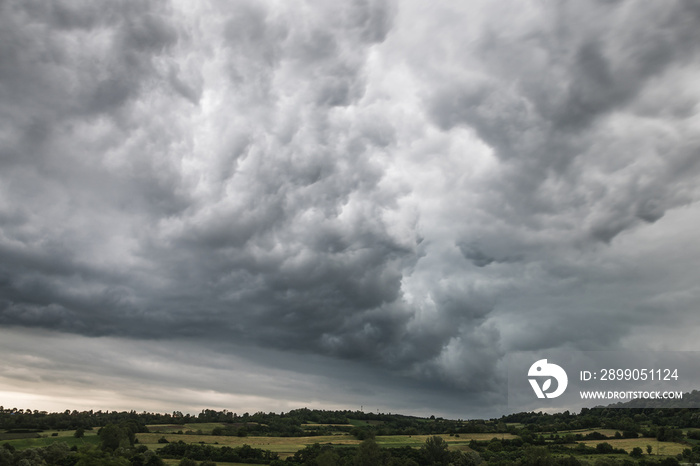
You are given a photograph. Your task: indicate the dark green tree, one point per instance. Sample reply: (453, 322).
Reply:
(369, 454)
(604, 447)
(112, 437)
(536, 456)
(154, 461)
(435, 451)
(95, 457)
(328, 458)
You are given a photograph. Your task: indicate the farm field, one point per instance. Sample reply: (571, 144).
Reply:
(314, 424)
(219, 463)
(606, 432)
(416, 441)
(284, 446)
(205, 427)
(660, 448)
(47, 439)
(287, 446)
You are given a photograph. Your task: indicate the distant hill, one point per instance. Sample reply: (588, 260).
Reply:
(688, 401)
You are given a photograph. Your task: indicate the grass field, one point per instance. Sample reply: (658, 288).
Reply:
(360, 423)
(416, 441)
(606, 432)
(218, 463)
(284, 446)
(168, 428)
(287, 446)
(313, 424)
(63, 436)
(205, 427)
(660, 448)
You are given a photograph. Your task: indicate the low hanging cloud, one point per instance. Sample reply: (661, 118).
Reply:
(413, 190)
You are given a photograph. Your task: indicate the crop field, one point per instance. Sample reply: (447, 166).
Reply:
(287, 446)
(416, 441)
(284, 446)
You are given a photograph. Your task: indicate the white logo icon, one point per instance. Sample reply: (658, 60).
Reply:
(542, 369)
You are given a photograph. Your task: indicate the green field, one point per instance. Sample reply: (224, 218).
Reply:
(63, 436)
(606, 432)
(205, 427)
(219, 463)
(287, 446)
(284, 446)
(660, 448)
(314, 424)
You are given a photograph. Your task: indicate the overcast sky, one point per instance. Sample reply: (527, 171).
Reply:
(265, 205)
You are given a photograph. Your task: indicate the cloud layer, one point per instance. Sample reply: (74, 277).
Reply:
(403, 188)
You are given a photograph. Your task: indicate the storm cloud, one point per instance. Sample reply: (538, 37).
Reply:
(394, 188)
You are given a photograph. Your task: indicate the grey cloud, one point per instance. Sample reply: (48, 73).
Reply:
(348, 183)
(186, 90)
(478, 257)
(547, 97)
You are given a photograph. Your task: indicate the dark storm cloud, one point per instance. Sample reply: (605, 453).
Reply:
(418, 191)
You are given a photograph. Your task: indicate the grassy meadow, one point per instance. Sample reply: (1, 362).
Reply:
(287, 446)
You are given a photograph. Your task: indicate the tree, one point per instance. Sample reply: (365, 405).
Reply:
(362, 433)
(368, 454)
(54, 453)
(79, 433)
(327, 458)
(604, 448)
(6, 457)
(435, 451)
(402, 461)
(649, 449)
(636, 452)
(112, 437)
(537, 456)
(94, 457)
(471, 458)
(155, 460)
(187, 462)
